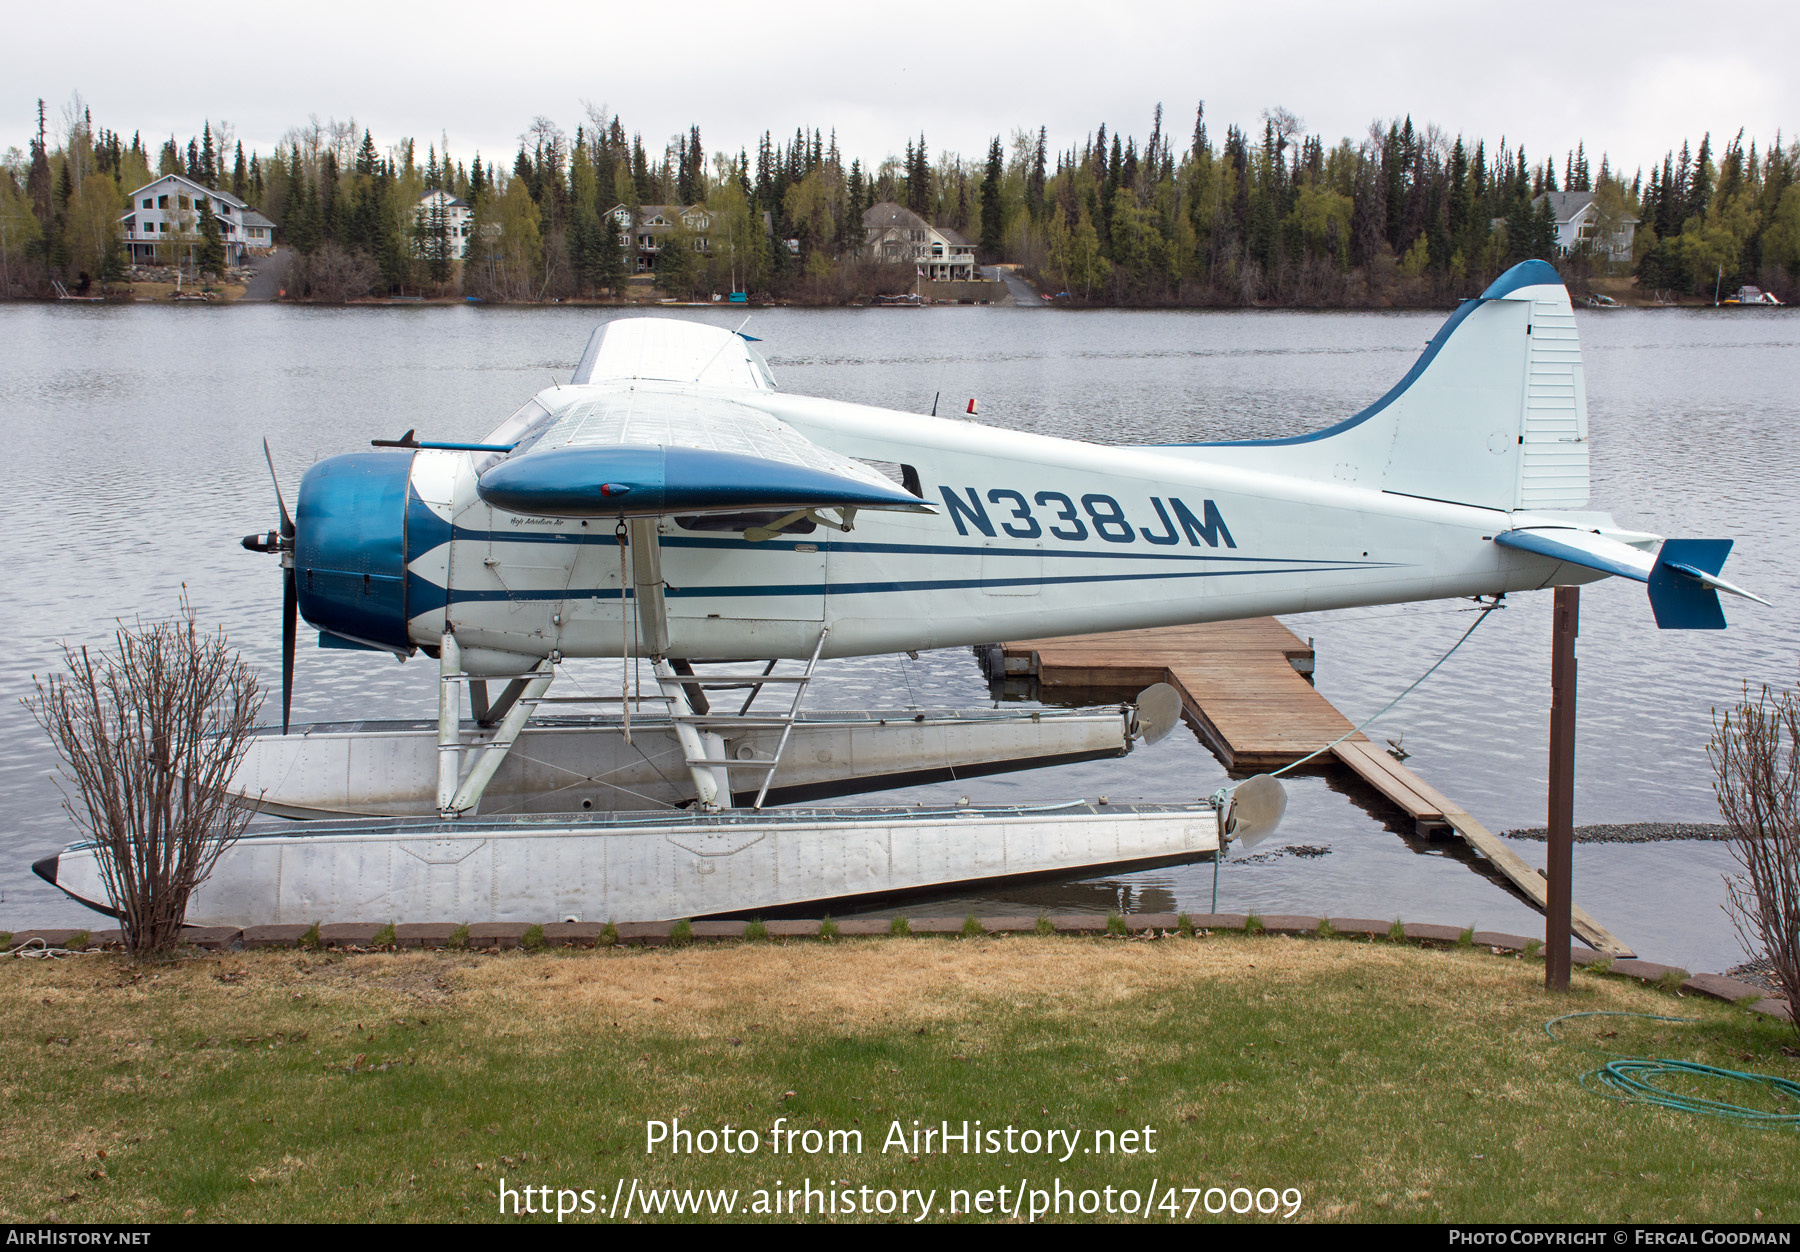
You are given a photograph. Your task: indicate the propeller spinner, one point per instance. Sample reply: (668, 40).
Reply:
(282, 541)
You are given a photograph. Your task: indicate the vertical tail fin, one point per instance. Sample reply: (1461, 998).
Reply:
(1492, 414)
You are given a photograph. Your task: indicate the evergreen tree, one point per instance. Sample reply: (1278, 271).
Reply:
(1457, 207)
(240, 175)
(1543, 243)
(1699, 196)
(38, 184)
(1034, 184)
(992, 219)
(1521, 231)
(300, 225)
(437, 240)
(611, 253)
(677, 263)
(209, 254)
(640, 172)
(209, 165)
(330, 216)
(581, 241)
(918, 180)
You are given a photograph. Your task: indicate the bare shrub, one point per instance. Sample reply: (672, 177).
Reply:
(853, 280)
(1755, 753)
(332, 274)
(150, 731)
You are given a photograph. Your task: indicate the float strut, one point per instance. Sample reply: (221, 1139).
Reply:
(449, 721)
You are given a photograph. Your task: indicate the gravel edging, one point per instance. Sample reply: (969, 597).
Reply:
(1632, 832)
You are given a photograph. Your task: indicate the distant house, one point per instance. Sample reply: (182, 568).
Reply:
(655, 222)
(457, 216)
(897, 235)
(164, 219)
(1577, 223)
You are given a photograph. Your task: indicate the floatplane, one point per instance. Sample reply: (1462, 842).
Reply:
(671, 505)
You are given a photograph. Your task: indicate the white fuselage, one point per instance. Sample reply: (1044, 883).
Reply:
(1033, 536)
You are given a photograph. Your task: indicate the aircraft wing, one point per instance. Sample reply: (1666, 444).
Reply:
(655, 429)
(662, 350)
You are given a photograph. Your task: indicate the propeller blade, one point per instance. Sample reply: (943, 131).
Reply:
(290, 612)
(287, 523)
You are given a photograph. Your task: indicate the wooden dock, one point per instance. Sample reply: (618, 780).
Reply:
(1243, 690)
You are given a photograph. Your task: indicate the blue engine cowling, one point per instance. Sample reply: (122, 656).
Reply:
(350, 548)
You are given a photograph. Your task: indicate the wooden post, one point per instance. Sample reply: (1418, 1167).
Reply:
(1561, 823)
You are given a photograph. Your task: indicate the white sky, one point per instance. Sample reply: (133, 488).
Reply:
(1631, 79)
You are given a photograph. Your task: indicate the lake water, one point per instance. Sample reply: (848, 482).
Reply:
(132, 465)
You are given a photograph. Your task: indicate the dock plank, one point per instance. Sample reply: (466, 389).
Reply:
(1532, 883)
(1241, 693)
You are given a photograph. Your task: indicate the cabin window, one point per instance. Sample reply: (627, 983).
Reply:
(903, 476)
(521, 430)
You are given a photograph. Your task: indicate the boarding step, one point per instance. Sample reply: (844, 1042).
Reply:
(658, 697)
(707, 721)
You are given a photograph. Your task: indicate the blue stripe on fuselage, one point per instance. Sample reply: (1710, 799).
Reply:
(927, 549)
(881, 588)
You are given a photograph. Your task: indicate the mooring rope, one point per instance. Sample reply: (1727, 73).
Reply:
(1222, 796)
(1368, 721)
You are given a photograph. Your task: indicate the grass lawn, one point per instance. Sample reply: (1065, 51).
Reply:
(224, 293)
(1379, 1080)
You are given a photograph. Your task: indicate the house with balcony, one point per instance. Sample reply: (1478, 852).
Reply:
(1578, 224)
(898, 235)
(163, 222)
(656, 222)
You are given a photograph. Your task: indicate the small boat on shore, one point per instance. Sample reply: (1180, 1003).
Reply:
(1748, 295)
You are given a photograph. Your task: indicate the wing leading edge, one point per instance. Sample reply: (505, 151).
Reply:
(651, 481)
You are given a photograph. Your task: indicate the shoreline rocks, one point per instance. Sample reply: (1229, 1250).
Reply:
(1632, 832)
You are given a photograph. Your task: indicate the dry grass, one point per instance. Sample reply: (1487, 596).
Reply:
(1381, 1080)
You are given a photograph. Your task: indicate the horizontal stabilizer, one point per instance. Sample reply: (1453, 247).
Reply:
(1683, 578)
(1584, 548)
(641, 481)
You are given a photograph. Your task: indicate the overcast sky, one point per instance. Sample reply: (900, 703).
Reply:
(1630, 79)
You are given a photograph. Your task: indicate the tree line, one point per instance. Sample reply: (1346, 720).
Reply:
(1273, 215)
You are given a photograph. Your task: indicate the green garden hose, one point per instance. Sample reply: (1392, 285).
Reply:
(1631, 1079)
